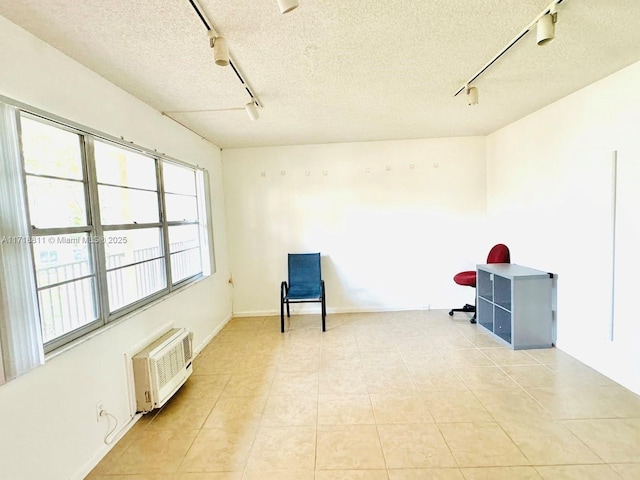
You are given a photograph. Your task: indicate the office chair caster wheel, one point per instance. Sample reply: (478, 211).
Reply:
(451, 313)
(473, 320)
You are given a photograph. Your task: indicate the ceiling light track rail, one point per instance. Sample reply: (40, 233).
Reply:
(550, 9)
(236, 69)
(198, 9)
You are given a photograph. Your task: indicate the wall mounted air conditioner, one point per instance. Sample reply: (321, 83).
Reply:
(161, 368)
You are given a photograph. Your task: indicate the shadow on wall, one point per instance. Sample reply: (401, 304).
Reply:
(343, 295)
(334, 288)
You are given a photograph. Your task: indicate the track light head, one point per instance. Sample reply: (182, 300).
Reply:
(220, 49)
(252, 111)
(472, 95)
(546, 28)
(287, 5)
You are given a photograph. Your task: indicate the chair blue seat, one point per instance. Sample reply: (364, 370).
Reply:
(304, 284)
(301, 292)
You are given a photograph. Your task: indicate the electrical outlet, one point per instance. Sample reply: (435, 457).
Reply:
(99, 410)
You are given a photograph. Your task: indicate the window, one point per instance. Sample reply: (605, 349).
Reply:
(128, 195)
(66, 276)
(180, 191)
(108, 234)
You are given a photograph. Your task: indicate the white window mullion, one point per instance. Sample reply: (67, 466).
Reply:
(162, 205)
(96, 228)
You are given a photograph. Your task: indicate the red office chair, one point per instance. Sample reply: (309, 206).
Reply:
(498, 254)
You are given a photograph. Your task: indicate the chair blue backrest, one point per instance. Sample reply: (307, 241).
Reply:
(305, 277)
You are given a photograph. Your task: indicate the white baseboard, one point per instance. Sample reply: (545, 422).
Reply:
(210, 337)
(272, 313)
(374, 309)
(102, 452)
(257, 313)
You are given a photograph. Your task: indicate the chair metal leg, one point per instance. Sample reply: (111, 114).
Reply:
(324, 309)
(283, 293)
(281, 315)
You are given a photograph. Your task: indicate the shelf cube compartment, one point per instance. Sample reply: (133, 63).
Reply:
(502, 325)
(485, 314)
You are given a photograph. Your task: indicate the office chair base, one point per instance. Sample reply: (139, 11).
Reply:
(466, 309)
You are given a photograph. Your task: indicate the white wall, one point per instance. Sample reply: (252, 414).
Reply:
(550, 193)
(390, 239)
(47, 417)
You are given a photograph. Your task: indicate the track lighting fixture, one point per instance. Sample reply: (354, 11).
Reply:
(472, 95)
(252, 111)
(223, 58)
(545, 33)
(220, 49)
(287, 5)
(546, 27)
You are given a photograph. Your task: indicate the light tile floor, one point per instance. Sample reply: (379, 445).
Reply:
(395, 396)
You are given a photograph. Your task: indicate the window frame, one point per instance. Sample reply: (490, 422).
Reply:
(43, 232)
(96, 229)
(178, 223)
(130, 307)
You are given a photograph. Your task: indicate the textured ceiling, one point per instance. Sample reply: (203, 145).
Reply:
(335, 71)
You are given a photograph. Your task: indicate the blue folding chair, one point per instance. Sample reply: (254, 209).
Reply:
(305, 284)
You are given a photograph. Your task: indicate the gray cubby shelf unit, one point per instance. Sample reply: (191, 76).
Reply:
(514, 304)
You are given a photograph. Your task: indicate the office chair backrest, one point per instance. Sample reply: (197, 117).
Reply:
(499, 254)
(304, 270)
